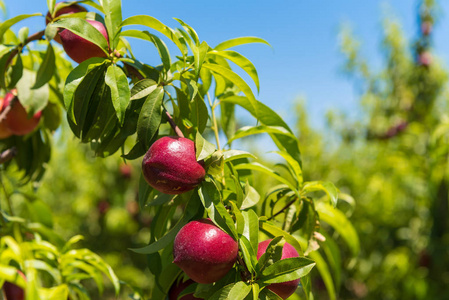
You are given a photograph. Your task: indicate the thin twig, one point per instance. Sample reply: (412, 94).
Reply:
(34, 37)
(214, 119)
(283, 209)
(245, 273)
(173, 124)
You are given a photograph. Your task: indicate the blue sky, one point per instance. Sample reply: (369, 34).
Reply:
(304, 61)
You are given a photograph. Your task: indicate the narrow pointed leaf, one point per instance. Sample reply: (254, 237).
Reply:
(240, 61)
(46, 69)
(120, 94)
(341, 224)
(190, 211)
(4, 26)
(150, 117)
(261, 168)
(325, 186)
(238, 81)
(252, 130)
(240, 41)
(156, 25)
(112, 10)
(143, 88)
(160, 45)
(287, 269)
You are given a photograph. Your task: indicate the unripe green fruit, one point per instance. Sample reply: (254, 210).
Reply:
(282, 289)
(204, 252)
(80, 49)
(72, 9)
(17, 120)
(170, 166)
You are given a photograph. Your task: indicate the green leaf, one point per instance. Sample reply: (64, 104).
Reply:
(211, 199)
(112, 10)
(233, 291)
(333, 255)
(150, 117)
(230, 155)
(203, 147)
(199, 113)
(237, 80)
(252, 130)
(75, 78)
(294, 165)
(267, 294)
(51, 5)
(160, 45)
(190, 31)
(228, 122)
(143, 88)
(33, 100)
(118, 83)
(10, 274)
(240, 41)
(249, 256)
(240, 61)
(276, 231)
(4, 26)
(85, 30)
(190, 211)
(273, 253)
(144, 191)
(16, 72)
(251, 229)
(268, 117)
(325, 186)
(158, 26)
(261, 168)
(341, 224)
(199, 54)
(287, 269)
(252, 197)
(55, 293)
(325, 274)
(46, 69)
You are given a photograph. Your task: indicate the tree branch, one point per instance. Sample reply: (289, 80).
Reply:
(34, 37)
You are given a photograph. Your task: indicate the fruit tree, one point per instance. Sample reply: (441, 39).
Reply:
(214, 231)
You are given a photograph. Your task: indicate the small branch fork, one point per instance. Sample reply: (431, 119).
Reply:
(34, 37)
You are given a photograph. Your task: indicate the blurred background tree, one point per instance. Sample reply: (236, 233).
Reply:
(393, 161)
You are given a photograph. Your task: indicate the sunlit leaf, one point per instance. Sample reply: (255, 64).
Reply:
(239, 41)
(46, 69)
(118, 83)
(240, 61)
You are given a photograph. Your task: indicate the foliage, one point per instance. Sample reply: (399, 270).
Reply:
(117, 103)
(393, 161)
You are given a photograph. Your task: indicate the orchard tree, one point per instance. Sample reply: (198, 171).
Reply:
(393, 160)
(210, 217)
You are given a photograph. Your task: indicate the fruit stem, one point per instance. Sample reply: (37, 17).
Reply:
(34, 37)
(245, 273)
(173, 124)
(214, 120)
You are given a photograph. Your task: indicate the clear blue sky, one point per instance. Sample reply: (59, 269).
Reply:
(305, 59)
